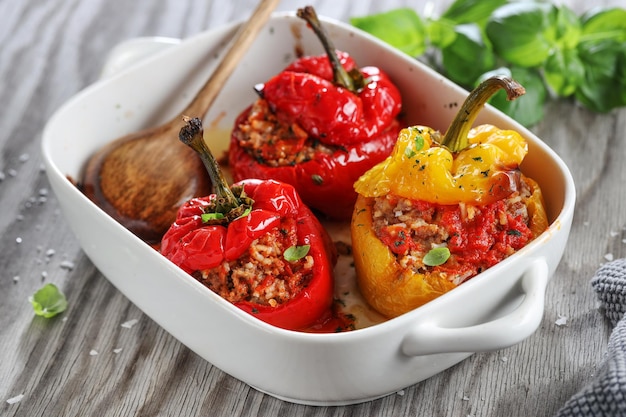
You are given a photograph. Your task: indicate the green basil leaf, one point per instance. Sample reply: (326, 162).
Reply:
(48, 301)
(564, 72)
(472, 11)
(440, 32)
(523, 33)
(295, 253)
(401, 28)
(602, 53)
(568, 28)
(528, 109)
(468, 56)
(436, 256)
(604, 23)
(604, 86)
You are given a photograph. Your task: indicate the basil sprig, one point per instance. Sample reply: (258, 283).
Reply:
(545, 46)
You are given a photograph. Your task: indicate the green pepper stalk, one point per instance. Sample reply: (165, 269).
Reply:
(230, 203)
(352, 80)
(456, 138)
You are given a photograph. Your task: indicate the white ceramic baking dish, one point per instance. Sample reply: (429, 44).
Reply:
(499, 308)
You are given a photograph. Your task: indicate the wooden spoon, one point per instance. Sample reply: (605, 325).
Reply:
(142, 179)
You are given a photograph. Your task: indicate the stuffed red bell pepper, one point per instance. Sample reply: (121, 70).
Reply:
(318, 125)
(441, 209)
(255, 244)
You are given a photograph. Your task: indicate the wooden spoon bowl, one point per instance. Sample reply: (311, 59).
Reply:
(142, 179)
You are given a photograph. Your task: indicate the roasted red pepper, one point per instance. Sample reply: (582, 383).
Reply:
(318, 125)
(256, 244)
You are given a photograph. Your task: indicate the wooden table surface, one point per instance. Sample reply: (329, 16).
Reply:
(85, 363)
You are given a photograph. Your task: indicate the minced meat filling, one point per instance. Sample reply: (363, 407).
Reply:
(276, 142)
(478, 237)
(261, 276)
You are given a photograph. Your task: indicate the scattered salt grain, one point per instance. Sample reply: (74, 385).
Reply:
(116, 351)
(24, 157)
(93, 352)
(504, 359)
(613, 233)
(69, 265)
(15, 399)
(12, 173)
(561, 320)
(400, 393)
(2, 176)
(16, 278)
(609, 257)
(130, 323)
(465, 398)
(18, 240)
(586, 223)
(50, 253)
(44, 274)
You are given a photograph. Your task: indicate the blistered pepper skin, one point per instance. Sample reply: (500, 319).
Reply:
(334, 115)
(195, 246)
(361, 127)
(480, 174)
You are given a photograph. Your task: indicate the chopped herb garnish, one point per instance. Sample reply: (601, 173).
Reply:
(436, 256)
(317, 179)
(295, 253)
(245, 213)
(419, 142)
(207, 217)
(513, 232)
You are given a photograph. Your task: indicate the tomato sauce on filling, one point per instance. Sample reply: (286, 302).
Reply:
(478, 237)
(262, 275)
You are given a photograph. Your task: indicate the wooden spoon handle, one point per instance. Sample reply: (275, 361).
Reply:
(239, 46)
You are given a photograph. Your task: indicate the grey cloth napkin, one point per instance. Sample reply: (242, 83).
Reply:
(606, 394)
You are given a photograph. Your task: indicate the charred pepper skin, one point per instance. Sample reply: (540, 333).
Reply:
(481, 172)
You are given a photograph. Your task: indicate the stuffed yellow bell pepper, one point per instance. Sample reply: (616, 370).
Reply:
(442, 208)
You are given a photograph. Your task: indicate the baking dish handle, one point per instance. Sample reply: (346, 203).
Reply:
(429, 337)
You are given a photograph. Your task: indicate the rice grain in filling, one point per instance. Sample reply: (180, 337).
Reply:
(261, 275)
(276, 142)
(478, 237)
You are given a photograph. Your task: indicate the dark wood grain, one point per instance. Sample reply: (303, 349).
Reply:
(85, 363)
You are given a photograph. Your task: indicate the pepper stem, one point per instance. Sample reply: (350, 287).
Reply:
(226, 203)
(456, 138)
(353, 80)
